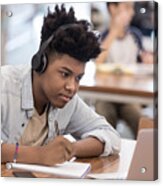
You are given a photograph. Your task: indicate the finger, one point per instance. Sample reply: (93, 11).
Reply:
(68, 145)
(69, 149)
(67, 156)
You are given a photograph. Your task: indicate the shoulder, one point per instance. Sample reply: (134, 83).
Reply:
(135, 31)
(12, 76)
(137, 34)
(13, 72)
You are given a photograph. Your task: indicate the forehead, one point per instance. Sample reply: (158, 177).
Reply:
(66, 61)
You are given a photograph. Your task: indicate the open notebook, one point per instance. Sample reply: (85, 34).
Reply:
(67, 169)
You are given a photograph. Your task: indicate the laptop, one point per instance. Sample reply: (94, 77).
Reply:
(144, 164)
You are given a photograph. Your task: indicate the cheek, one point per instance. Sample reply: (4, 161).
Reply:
(53, 84)
(77, 87)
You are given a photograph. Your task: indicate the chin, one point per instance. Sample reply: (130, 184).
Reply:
(59, 105)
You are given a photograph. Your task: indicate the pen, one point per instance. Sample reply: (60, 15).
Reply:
(72, 159)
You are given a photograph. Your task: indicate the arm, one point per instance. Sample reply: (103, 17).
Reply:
(106, 44)
(96, 136)
(25, 154)
(56, 151)
(88, 147)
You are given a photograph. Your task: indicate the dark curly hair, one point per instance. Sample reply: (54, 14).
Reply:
(77, 41)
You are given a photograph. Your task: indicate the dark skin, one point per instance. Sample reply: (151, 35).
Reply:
(66, 72)
(58, 84)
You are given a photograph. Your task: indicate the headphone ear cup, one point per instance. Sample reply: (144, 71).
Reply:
(44, 63)
(39, 62)
(36, 62)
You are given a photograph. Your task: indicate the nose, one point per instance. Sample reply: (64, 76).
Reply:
(72, 85)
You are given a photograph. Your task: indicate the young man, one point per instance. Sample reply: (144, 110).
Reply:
(39, 104)
(122, 44)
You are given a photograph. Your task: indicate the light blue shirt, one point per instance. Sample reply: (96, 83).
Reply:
(76, 118)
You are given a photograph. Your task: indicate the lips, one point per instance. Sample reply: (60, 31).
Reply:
(65, 97)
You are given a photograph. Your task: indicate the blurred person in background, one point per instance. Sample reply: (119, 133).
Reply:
(122, 44)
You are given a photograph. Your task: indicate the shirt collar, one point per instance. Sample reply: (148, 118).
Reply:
(26, 94)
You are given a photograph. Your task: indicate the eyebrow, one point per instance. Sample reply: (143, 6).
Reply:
(70, 71)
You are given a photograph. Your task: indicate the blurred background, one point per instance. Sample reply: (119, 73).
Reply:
(21, 25)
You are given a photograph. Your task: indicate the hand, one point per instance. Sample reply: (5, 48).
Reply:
(147, 57)
(56, 151)
(119, 23)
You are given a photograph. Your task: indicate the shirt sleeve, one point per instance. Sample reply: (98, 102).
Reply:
(86, 122)
(111, 140)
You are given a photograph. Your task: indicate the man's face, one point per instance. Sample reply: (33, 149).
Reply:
(60, 81)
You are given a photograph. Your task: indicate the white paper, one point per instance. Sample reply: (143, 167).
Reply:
(67, 169)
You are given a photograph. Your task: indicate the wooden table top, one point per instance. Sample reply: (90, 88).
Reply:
(139, 85)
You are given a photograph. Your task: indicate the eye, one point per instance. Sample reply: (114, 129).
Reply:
(78, 78)
(65, 74)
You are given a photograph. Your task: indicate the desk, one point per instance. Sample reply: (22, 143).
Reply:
(116, 163)
(119, 88)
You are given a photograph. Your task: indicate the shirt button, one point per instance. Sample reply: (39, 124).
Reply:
(23, 124)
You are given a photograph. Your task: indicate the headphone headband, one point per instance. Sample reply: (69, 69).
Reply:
(48, 41)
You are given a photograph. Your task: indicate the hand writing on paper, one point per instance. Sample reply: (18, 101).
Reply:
(56, 151)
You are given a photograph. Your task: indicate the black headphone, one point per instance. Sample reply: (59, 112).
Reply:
(40, 59)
